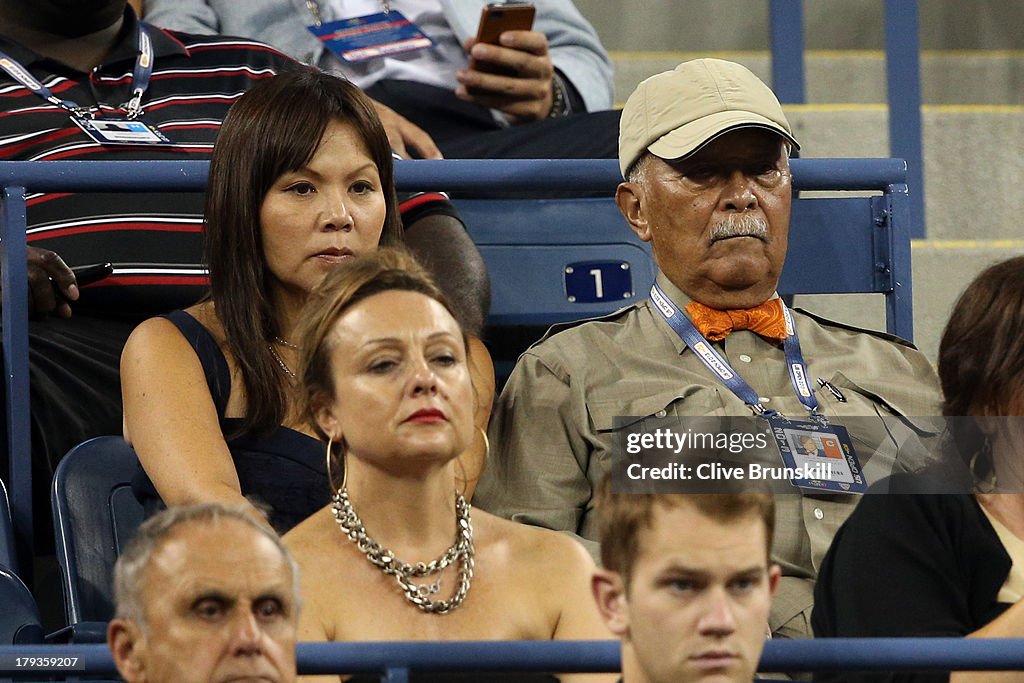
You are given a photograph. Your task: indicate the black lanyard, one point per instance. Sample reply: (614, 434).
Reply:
(140, 80)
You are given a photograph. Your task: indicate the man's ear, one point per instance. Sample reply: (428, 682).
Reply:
(629, 197)
(610, 595)
(774, 576)
(127, 646)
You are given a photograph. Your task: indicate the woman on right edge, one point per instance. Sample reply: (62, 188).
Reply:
(927, 564)
(400, 554)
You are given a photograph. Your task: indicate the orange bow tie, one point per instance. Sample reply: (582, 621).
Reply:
(766, 320)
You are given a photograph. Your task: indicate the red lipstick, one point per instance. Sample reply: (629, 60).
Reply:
(429, 415)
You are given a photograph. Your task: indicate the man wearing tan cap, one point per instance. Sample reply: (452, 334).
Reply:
(705, 152)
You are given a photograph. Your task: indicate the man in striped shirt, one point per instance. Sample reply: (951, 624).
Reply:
(86, 53)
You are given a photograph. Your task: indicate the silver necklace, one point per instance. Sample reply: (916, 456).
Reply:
(285, 342)
(461, 551)
(280, 361)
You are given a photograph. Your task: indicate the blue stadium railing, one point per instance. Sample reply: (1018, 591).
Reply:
(874, 259)
(903, 81)
(396, 660)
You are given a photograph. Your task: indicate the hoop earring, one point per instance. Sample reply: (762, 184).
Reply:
(344, 466)
(986, 451)
(487, 442)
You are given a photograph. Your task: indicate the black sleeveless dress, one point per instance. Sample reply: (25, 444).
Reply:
(284, 471)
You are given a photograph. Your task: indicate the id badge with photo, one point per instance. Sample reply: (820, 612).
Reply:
(359, 39)
(109, 130)
(820, 455)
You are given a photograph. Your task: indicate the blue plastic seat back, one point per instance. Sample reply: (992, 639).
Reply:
(95, 516)
(558, 260)
(7, 551)
(19, 616)
(553, 260)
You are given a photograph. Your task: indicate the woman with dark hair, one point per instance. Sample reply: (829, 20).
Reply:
(400, 554)
(926, 564)
(300, 180)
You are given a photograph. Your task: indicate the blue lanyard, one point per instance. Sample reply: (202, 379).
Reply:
(140, 79)
(714, 361)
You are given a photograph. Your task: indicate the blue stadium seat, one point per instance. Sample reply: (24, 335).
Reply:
(95, 515)
(19, 617)
(7, 552)
(553, 260)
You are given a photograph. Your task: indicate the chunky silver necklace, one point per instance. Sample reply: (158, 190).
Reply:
(461, 551)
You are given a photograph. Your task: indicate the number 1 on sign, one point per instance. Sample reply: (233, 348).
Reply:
(598, 285)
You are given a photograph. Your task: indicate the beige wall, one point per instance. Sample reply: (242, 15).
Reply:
(708, 25)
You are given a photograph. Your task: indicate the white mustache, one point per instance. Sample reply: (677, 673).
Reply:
(740, 225)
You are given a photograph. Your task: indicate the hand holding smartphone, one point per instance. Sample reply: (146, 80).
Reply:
(495, 19)
(86, 275)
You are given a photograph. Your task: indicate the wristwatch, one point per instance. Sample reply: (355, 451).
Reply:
(559, 101)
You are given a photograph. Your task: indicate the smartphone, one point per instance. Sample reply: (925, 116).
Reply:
(495, 19)
(86, 275)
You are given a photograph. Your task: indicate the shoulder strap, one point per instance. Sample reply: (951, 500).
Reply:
(215, 366)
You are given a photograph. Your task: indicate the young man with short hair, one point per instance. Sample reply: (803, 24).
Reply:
(687, 582)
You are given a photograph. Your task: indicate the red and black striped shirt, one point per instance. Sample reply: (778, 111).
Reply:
(154, 240)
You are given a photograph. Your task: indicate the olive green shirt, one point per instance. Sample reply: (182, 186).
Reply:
(553, 428)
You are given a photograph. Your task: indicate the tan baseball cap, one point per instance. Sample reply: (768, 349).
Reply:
(675, 113)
